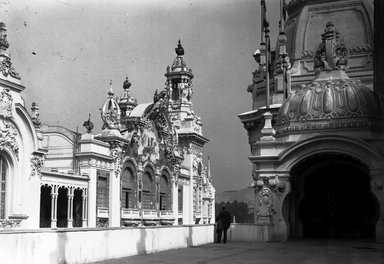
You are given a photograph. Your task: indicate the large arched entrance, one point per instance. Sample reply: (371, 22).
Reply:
(331, 198)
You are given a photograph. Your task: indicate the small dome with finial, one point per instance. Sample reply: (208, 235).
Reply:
(332, 100)
(110, 112)
(127, 102)
(179, 50)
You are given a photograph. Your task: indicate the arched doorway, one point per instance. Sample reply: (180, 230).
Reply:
(128, 188)
(77, 207)
(148, 201)
(165, 192)
(331, 198)
(62, 207)
(45, 206)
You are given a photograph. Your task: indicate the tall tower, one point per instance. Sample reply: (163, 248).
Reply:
(189, 130)
(179, 87)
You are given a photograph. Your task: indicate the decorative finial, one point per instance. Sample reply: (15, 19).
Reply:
(332, 54)
(179, 50)
(35, 115)
(126, 83)
(3, 37)
(110, 92)
(88, 125)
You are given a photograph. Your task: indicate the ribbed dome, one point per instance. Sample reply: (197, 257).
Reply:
(327, 103)
(110, 112)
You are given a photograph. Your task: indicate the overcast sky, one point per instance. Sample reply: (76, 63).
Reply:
(67, 51)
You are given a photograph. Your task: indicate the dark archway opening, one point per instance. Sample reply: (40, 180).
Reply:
(331, 198)
(77, 208)
(62, 207)
(45, 206)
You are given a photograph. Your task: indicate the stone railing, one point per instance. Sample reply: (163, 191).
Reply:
(130, 213)
(150, 217)
(166, 217)
(130, 217)
(102, 212)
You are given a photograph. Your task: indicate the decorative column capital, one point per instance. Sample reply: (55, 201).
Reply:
(37, 163)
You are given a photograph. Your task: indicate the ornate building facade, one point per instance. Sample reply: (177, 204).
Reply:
(144, 168)
(316, 128)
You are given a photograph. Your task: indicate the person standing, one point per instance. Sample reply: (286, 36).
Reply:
(223, 221)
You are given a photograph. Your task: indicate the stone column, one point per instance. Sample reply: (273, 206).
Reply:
(140, 171)
(84, 207)
(70, 207)
(282, 188)
(157, 190)
(175, 199)
(377, 188)
(54, 195)
(115, 187)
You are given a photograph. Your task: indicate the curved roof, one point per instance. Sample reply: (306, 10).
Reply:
(139, 110)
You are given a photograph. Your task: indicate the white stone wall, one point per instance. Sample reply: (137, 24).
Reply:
(249, 232)
(86, 245)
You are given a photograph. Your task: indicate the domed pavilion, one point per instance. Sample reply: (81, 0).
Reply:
(317, 141)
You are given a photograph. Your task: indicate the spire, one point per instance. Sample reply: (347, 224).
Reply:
(209, 169)
(282, 82)
(179, 50)
(110, 92)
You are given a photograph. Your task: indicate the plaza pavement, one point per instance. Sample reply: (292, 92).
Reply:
(298, 251)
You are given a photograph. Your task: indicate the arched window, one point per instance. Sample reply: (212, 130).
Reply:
(128, 188)
(148, 190)
(165, 193)
(3, 185)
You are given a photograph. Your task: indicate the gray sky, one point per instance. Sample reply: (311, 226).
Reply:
(67, 51)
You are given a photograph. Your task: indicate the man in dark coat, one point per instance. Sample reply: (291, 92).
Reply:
(223, 221)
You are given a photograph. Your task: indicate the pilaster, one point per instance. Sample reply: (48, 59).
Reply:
(377, 188)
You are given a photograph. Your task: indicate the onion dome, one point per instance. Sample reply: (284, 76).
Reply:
(179, 66)
(127, 102)
(179, 50)
(110, 112)
(332, 100)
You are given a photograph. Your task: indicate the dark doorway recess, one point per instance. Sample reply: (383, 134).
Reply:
(45, 206)
(331, 198)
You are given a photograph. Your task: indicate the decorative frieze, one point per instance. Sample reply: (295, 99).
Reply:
(97, 163)
(6, 225)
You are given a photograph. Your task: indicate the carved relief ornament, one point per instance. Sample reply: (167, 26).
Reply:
(8, 134)
(265, 210)
(37, 162)
(5, 103)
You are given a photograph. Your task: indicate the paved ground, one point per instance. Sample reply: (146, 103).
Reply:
(300, 251)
